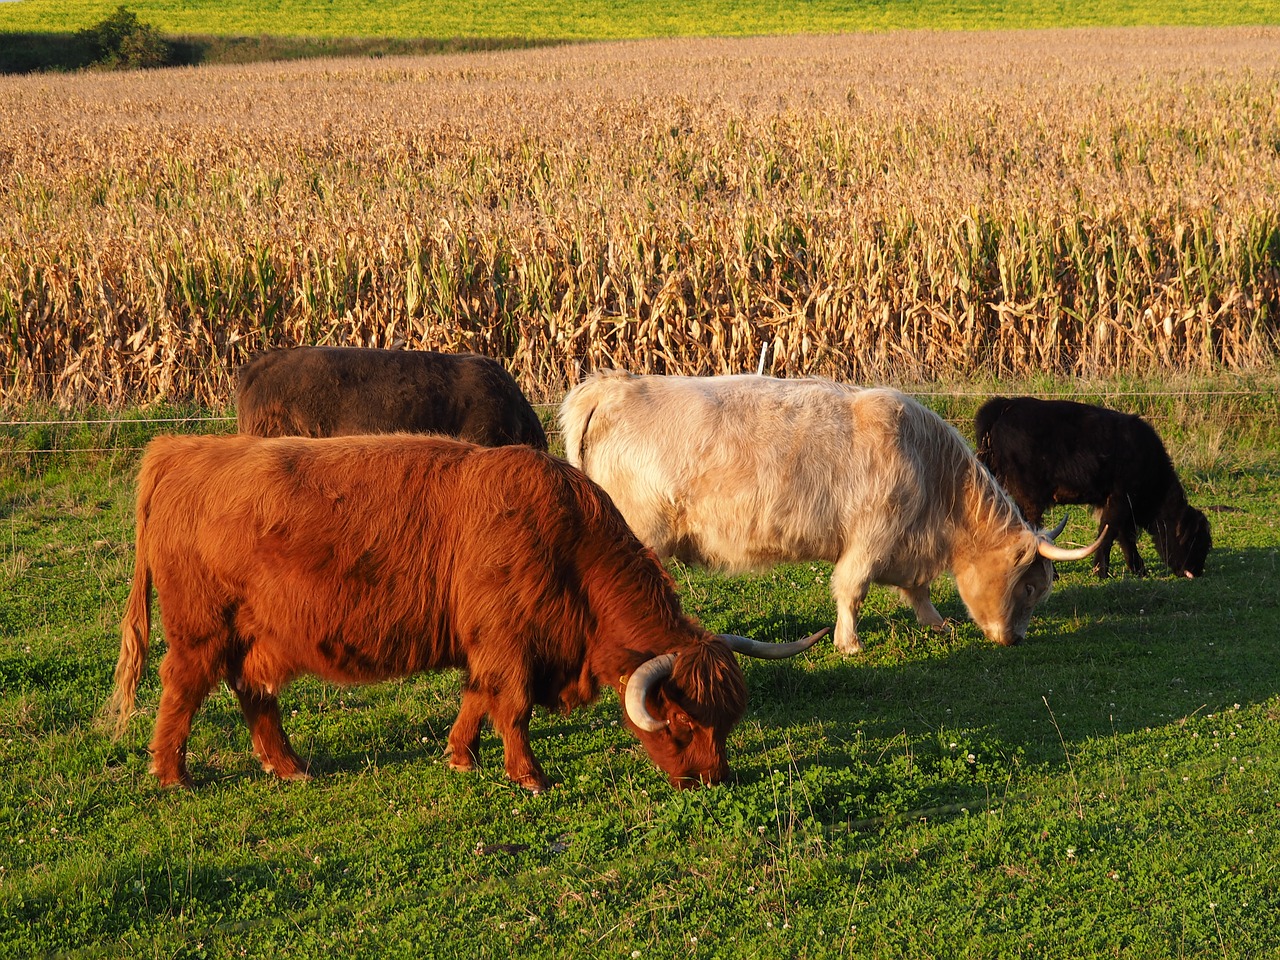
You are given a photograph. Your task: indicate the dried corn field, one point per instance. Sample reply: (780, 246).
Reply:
(911, 206)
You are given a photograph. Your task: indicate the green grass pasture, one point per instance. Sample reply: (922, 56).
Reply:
(1109, 788)
(599, 20)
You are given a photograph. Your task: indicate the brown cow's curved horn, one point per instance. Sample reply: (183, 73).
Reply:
(1052, 551)
(645, 676)
(1053, 534)
(770, 651)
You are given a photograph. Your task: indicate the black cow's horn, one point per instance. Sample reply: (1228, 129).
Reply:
(645, 676)
(1056, 531)
(1051, 551)
(770, 651)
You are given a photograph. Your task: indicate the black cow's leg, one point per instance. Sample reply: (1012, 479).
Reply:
(1102, 558)
(1119, 517)
(1129, 546)
(1032, 510)
(270, 743)
(1128, 538)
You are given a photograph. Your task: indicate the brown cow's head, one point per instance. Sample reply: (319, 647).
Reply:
(1002, 589)
(682, 705)
(692, 699)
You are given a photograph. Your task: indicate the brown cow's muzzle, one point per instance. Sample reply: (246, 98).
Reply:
(701, 780)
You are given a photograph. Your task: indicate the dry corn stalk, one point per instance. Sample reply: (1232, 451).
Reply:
(902, 206)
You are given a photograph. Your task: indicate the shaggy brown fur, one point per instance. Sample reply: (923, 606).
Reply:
(357, 559)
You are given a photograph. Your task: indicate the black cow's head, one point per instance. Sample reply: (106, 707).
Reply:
(1184, 544)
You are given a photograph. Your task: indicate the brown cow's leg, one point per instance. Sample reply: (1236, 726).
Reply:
(511, 719)
(464, 739)
(184, 685)
(270, 743)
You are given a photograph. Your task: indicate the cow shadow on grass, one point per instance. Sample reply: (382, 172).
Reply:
(352, 731)
(1103, 659)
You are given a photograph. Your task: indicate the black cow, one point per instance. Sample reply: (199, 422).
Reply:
(1059, 451)
(337, 391)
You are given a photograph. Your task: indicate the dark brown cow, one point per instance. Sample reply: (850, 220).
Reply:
(337, 391)
(357, 559)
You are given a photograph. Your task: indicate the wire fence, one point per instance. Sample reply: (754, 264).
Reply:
(9, 429)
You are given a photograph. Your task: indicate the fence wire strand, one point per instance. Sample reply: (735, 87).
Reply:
(12, 425)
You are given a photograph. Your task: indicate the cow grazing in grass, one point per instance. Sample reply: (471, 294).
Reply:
(336, 391)
(358, 559)
(744, 472)
(1060, 451)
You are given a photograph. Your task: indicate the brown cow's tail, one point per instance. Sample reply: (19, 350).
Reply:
(135, 629)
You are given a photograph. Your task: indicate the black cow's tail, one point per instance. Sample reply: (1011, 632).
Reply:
(984, 422)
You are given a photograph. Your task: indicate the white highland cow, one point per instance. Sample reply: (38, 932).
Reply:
(743, 472)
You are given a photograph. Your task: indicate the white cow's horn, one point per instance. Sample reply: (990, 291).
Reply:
(770, 651)
(1051, 551)
(646, 675)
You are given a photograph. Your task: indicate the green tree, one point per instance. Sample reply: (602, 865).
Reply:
(123, 42)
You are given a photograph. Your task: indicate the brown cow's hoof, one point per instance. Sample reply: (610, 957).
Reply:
(288, 773)
(463, 762)
(287, 766)
(535, 785)
(848, 646)
(173, 778)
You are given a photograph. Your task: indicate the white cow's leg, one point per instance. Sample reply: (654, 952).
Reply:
(926, 612)
(849, 583)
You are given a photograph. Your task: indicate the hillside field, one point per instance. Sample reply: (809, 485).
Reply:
(628, 19)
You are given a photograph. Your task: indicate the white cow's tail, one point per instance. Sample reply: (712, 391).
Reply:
(575, 418)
